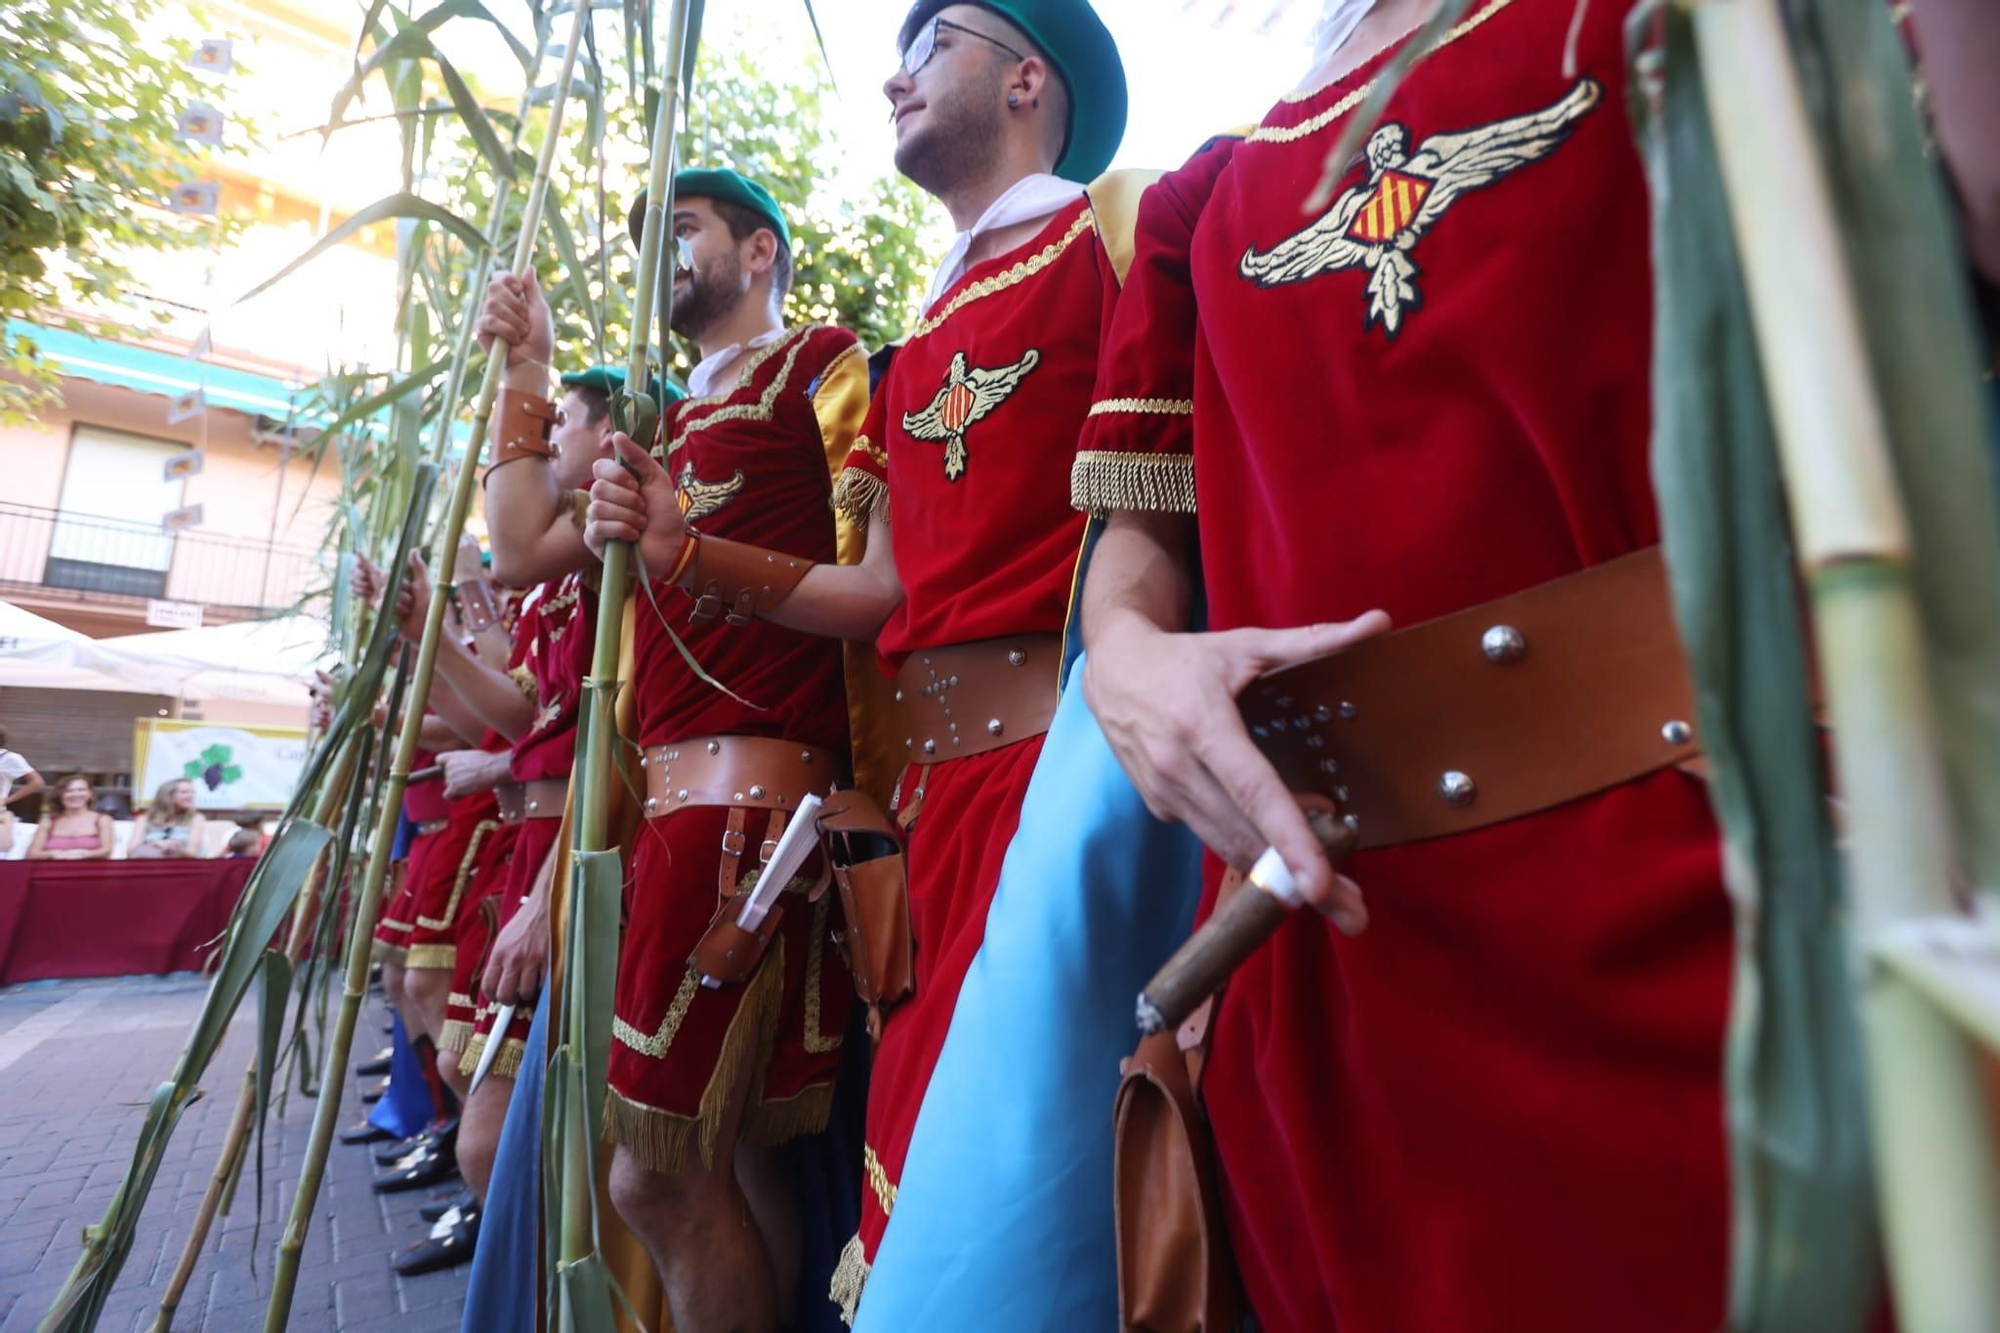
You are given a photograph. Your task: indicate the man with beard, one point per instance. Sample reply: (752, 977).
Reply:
(1002, 110)
(707, 1081)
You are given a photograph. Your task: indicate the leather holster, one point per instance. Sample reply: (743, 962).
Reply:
(873, 881)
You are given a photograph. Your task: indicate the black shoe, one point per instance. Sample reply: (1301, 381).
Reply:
(458, 1197)
(379, 1065)
(423, 1138)
(369, 1096)
(420, 1170)
(449, 1244)
(365, 1132)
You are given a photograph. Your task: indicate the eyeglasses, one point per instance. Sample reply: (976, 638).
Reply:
(924, 45)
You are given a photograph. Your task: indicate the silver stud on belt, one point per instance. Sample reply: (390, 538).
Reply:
(1503, 644)
(1677, 732)
(1458, 789)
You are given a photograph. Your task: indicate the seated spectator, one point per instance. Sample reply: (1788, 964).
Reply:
(75, 830)
(248, 840)
(172, 827)
(18, 778)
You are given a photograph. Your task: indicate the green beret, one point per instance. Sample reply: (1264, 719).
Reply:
(611, 380)
(717, 183)
(1081, 48)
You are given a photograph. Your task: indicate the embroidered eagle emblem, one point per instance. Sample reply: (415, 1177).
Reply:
(699, 499)
(1375, 224)
(967, 396)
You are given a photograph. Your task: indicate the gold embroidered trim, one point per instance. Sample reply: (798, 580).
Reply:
(817, 1042)
(1101, 481)
(861, 496)
(524, 681)
(658, 1044)
(850, 1276)
(387, 953)
(1158, 407)
(421, 956)
(878, 1179)
(388, 924)
(1314, 124)
(465, 868)
(867, 448)
(1000, 282)
(710, 409)
(666, 1141)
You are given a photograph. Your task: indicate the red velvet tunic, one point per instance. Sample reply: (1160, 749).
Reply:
(752, 467)
(973, 431)
(553, 640)
(1500, 1108)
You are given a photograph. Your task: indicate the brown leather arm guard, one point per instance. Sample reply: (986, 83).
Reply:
(525, 422)
(739, 581)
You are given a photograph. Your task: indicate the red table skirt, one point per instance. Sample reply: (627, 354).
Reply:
(113, 918)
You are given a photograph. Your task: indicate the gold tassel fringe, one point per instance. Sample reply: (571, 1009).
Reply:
(456, 1036)
(861, 495)
(774, 1122)
(475, 1047)
(1100, 481)
(664, 1141)
(850, 1276)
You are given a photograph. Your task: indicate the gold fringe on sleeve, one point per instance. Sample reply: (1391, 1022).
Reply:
(850, 1275)
(1101, 481)
(861, 496)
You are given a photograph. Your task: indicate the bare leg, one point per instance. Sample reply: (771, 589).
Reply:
(774, 1202)
(703, 1237)
(429, 991)
(392, 990)
(479, 1130)
(447, 1064)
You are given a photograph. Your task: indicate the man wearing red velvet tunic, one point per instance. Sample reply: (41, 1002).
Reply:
(1500, 1107)
(1002, 109)
(737, 720)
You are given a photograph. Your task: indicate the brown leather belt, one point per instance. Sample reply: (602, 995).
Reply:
(952, 703)
(430, 826)
(1499, 711)
(751, 771)
(542, 798)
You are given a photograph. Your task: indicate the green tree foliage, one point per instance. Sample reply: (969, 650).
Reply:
(90, 95)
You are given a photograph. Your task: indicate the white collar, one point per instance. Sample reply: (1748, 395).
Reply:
(1337, 22)
(706, 377)
(1027, 199)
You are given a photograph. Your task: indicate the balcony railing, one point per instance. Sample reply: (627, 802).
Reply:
(46, 550)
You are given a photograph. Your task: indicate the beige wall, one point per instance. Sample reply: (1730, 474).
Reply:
(240, 489)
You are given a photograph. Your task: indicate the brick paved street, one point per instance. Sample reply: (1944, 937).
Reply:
(78, 1061)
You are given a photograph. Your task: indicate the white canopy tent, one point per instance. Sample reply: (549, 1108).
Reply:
(37, 653)
(262, 661)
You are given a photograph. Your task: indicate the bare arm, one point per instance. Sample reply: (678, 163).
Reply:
(1959, 43)
(521, 951)
(633, 500)
(27, 784)
(38, 846)
(1166, 700)
(534, 538)
(847, 601)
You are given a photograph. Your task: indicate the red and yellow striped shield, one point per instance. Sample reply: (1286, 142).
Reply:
(1392, 207)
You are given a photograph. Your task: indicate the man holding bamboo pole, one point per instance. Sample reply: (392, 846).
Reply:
(737, 721)
(1002, 111)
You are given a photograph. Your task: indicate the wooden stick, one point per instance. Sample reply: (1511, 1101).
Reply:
(313, 1170)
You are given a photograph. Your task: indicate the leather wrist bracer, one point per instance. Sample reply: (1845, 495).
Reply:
(739, 581)
(525, 422)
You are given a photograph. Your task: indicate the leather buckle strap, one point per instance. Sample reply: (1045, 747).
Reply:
(973, 697)
(754, 772)
(542, 798)
(739, 581)
(525, 423)
(1491, 713)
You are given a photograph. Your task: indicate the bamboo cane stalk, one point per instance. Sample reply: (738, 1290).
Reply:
(1935, 1160)
(312, 1171)
(596, 767)
(332, 798)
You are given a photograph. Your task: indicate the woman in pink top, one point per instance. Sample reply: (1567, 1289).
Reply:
(74, 832)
